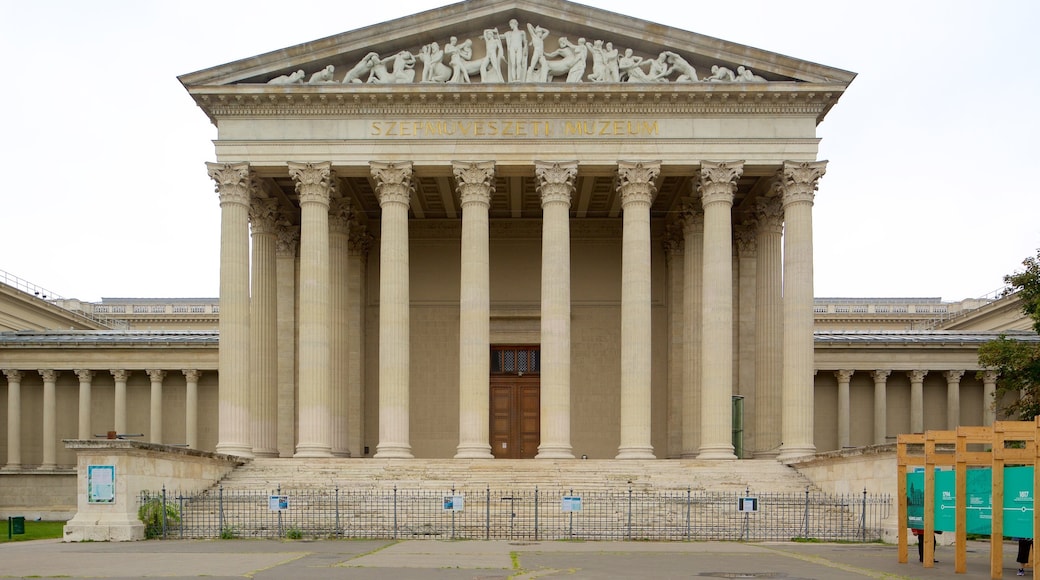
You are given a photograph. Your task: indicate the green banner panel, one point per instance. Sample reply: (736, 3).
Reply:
(915, 500)
(945, 501)
(980, 501)
(1018, 502)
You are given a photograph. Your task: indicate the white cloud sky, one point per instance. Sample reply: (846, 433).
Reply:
(929, 190)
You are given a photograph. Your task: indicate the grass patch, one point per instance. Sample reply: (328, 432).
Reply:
(33, 531)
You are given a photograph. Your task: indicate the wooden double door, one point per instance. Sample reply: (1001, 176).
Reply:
(515, 403)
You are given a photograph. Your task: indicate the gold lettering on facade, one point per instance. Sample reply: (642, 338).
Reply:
(509, 128)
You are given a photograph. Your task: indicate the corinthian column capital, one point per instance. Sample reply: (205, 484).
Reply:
(233, 181)
(341, 214)
(313, 181)
(556, 180)
(13, 376)
(475, 180)
(288, 236)
(393, 182)
(769, 213)
(916, 376)
(844, 375)
(880, 375)
(360, 239)
(692, 215)
(673, 241)
(746, 235)
(797, 182)
(718, 181)
(262, 215)
(636, 181)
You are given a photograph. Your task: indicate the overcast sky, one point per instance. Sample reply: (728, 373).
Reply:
(930, 190)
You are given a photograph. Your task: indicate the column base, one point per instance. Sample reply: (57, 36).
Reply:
(12, 467)
(788, 453)
(312, 450)
(766, 454)
(341, 454)
(393, 451)
(688, 455)
(717, 452)
(554, 452)
(239, 449)
(636, 453)
(473, 451)
(47, 467)
(265, 452)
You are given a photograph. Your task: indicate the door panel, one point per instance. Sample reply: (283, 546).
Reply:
(515, 427)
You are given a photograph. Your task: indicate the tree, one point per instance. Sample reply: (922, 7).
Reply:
(1018, 362)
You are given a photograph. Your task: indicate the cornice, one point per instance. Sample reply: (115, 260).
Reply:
(478, 101)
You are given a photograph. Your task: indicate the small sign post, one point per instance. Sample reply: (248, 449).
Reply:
(15, 525)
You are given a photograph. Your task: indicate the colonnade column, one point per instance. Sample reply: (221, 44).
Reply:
(233, 184)
(844, 408)
(360, 242)
(769, 327)
(718, 185)
(288, 237)
(85, 378)
(556, 186)
(50, 425)
(798, 184)
(989, 388)
(917, 400)
(880, 405)
(14, 419)
(339, 242)
(746, 279)
(476, 184)
(120, 377)
(673, 256)
(191, 408)
(263, 327)
(637, 189)
(953, 398)
(693, 272)
(314, 183)
(393, 188)
(155, 426)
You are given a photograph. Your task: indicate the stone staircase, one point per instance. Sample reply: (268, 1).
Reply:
(513, 499)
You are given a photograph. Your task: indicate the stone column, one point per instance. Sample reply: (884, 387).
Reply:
(746, 278)
(339, 262)
(953, 398)
(285, 248)
(989, 389)
(393, 188)
(156, 407)
(360, 242)
(263, 314)
(797, 185)
(475, 185)
(718, 185)
(314, 183)
(191, 407)
(917, 400)
(85, 378)
(769, 327)
(693, 272)
(556, 187)
(120, 377)
(637, 189)
(14, 419)
(844, 408)
(673, 255)
(880, 405)
(233, 184)
(50, 425)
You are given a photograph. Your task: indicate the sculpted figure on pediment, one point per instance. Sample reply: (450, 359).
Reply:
(491, 67)
(571, 61)
(538, 71)
(323, 76)
(362, 68)
(599, 73)
(744, 75)
(720, 74)
(516, 53)
(676, 63)
(434, 69)
(459, 56)
(610, 62)
(630, 67)
(289, 79)
(401, 71)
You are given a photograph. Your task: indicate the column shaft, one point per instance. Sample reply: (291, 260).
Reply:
(917, 400)
(393, 187)
(339, 262)
(953, 398)
(844, 408)
(989, 388)
(85, 377)
(313, 182)
(769, 328)
(50, 426)
(120, 377)
(285, 248)
(556, 186)
(674, 265)
(263, 328)
(191, 408)
(360, 241)
(156, 407)
(637, 191)
(14, 419)
(880, 406)
(693, 274)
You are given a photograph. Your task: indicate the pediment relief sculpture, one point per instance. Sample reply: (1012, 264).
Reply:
(520, 55)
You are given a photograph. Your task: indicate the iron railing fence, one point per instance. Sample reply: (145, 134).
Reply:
(530, 514)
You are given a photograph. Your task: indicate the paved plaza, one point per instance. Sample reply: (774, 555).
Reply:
(383, 559)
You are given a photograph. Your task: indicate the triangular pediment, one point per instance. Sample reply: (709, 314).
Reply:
(395, 52)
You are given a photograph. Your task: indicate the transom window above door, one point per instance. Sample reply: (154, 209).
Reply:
(515, 360)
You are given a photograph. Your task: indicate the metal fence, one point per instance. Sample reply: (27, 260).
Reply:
(538, 514)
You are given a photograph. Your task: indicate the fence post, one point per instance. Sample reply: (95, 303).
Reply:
(220, 511)
(278, 491)
(629, 513)
(164, 511)
(339, 530)
(453, 514)
(180, 510)
(863, 518)
(570, 530)
(487, 513)
(536, 513)
(687, 514)
(806, 535)
(395, 512)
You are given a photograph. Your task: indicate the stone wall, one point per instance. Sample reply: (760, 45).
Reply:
(38, 495)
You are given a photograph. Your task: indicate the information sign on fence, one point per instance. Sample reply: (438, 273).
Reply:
(278, 503)
(570, 503)
(101, 484)
(747, 504)
(454, 503)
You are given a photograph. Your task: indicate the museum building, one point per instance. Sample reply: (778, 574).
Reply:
(502, 229)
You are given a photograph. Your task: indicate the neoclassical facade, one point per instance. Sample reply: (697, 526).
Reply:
(513, 228)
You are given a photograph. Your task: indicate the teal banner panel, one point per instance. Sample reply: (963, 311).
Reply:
(915, 500)
(980, 501)
(945, 501)
(1018, 502)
